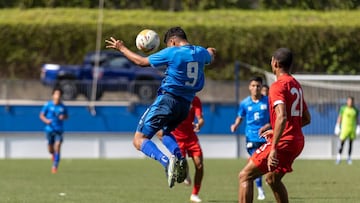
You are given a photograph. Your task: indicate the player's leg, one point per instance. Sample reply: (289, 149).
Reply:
(57, 148)
(177, 110)
(246, 182)
(277, 186)
(251, 148)
(51, 140)
(198, 176)
(146, 146)
(349, 160)
(340, 149)
(195, 152)
(150, 123)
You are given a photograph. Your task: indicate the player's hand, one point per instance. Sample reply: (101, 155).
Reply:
(212, 52)
(272, 160)
(233, 128)
(114, 43)
(267, 134)
(61, 117)
(48, 121)
(196, 127)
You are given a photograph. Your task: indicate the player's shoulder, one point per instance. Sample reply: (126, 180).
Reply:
(246, 101)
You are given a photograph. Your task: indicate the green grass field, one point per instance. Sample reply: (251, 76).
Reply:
(143, 181)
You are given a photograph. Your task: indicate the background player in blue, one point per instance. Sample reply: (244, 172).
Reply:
(184, 77)
(254, 109)
(53, 113)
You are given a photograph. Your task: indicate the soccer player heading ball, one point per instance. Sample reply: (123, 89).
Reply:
(174, 96)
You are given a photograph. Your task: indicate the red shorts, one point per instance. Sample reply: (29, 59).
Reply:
(190, 147)
(287, 151)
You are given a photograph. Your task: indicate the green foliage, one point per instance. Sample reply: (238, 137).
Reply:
(323, 42)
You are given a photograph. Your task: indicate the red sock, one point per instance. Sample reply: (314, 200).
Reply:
(196, 189)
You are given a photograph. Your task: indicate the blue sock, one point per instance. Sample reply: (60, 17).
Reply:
(170, 143)
(258, 182)
(152, 151)
(56, 159)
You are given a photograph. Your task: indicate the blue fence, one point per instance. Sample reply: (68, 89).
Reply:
(218, 118)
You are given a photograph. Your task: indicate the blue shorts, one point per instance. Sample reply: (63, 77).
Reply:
(54, 136)
(253, 146)
(166, 113)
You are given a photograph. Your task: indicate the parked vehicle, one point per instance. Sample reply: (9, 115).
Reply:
(115, 73)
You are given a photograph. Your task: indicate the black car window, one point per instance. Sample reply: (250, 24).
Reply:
(119, 62)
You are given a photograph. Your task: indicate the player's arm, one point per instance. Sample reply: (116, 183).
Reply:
(264, 128)
(280, 123)
(200, 123)
(43, 118)
(212, 52)
(306, 118)
(236, 124)
(198, 114)
(132, 56)
(64, 116)
(279, 126)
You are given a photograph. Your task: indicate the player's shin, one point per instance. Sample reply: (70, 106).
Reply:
(170, 143)
(152, 151)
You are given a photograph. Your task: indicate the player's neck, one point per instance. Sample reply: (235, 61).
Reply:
(281, 73)
(256, 98)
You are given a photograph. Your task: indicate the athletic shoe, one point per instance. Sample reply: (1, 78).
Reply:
(261, 194)
(187, 180)
(195, 198)
(170, 171)
(182, 170)
(349, 161)
(53, 170)
(338, 159)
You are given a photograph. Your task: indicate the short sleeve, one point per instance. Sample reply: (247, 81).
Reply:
(160, 58)
(277, 94)
(44, 109)
(242, 110)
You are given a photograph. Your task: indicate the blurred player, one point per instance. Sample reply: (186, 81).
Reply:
(184, 77)
(265, 90)
(53, 113)
(346, 128)
(254, 109)
(288, 114)
(188, 142)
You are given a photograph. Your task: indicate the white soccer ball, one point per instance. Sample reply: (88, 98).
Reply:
(147, 41)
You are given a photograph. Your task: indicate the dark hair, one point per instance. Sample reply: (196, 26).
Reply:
(57, 89)
(174, 31)
(265, 85)
(284, 57)
(257, 79)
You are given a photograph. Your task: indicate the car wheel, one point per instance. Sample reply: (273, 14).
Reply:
(69, 89)
(146, 92)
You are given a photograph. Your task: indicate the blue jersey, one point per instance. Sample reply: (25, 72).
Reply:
(184, 75)
(256, 115)
(52, 112)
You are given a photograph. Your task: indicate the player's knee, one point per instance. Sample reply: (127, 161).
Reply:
(137, 143)
(272, 180)
(243, 176)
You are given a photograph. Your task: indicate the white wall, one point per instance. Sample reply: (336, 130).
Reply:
(98, 145)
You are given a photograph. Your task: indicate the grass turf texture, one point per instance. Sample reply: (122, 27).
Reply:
(143, 181)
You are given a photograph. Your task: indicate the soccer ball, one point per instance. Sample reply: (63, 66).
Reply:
(147, 41)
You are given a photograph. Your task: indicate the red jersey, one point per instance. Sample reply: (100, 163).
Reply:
(287, 90)
(185, 130)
